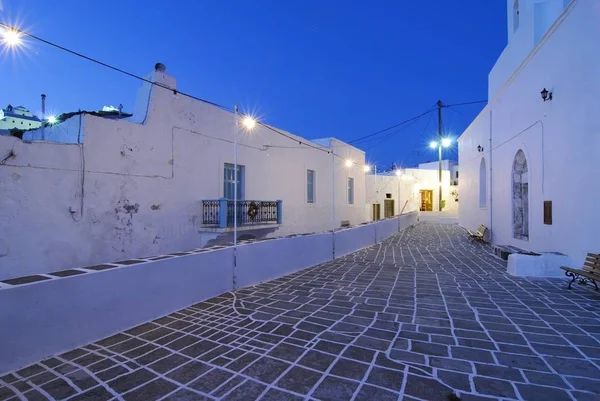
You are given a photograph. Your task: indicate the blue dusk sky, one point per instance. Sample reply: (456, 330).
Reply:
(316, 68)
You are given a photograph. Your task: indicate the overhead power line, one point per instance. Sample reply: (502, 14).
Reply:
(392, 127)
(465, 103)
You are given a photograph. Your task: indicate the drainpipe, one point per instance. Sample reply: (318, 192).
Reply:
(491, 183)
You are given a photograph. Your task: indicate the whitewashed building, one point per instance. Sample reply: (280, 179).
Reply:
(112, 189)
(18, 118)
(447, 164)
(406, 190)
(529, 161)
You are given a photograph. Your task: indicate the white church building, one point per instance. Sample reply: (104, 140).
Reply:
(529, 162)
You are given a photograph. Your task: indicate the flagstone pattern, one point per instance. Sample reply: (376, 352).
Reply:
(423, 315)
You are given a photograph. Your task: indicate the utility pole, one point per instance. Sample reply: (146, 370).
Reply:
(439, 106)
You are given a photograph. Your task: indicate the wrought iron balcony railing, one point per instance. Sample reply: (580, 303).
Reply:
(220, 212)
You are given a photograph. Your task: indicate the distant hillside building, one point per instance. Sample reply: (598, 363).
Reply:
(18, 118)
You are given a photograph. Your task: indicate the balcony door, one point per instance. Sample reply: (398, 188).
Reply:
(229, 181)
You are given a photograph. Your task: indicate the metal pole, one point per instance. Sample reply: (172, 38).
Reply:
(398, 198)
(332, 196)
(439, 105)
(376, 193)
(235, 176)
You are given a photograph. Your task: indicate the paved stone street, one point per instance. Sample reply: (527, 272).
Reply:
(421, 316)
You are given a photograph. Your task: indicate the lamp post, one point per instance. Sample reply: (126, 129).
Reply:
(249, 124)
(442, 143)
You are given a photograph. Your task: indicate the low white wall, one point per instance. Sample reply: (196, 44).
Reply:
(353, 239)
(271, 259)
(49, 317)
(44, 318)
(386, 228)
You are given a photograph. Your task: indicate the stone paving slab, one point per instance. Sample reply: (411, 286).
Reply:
(425, 315)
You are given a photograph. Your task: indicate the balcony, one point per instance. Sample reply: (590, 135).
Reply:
(219, 213)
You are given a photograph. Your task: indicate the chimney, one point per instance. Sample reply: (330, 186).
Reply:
(43, 115)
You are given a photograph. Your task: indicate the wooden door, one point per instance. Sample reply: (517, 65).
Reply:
(376, 211)
(426, 200)
(388, 208)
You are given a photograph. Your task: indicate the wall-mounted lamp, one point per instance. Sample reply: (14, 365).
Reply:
(546, 95)
(480, 148)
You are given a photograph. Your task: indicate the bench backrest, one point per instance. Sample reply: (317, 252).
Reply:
(485, 234)
(482, 229)
(592, 263)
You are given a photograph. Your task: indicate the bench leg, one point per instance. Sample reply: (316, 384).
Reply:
(570, 274)
(595, 284)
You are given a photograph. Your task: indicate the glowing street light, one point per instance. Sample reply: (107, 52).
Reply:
(249, 123)
(446, 142)
(11, 37)
(52, 120)
(349, 163)
(433, 144)
(367, 168)
(398, 173)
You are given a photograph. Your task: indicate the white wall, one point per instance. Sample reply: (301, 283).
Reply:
(559, 138)
(429, 180)
(535, 18)
(53, 316)
(98, 304)
(449, 165)
(134, 190)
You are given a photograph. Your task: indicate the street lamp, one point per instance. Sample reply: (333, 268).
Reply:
(443, 143)
(52, 120)
(11, 37)
(349, 163)
(367, 168)
(249, 123)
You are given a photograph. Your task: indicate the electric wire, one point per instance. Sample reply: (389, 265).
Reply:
(177, 92)
(392, 127)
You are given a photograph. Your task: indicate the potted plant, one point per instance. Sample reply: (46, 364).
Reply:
(454, 193)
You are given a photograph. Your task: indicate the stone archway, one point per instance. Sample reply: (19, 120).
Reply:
(520, 196)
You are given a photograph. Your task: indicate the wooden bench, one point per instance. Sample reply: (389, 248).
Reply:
(480, 234)
(589, 272)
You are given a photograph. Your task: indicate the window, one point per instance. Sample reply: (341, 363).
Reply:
(482, 184)
(351, 191)
(548, 212)
(229, 181)
(457, 174)
(516, 13)
(310, 186)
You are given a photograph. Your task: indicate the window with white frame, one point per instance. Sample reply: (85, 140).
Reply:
(350, 191)
(229, 181)
(310, 186)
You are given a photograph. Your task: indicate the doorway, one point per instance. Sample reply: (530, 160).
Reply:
(376, 211)
(388, 208)
(520, 197)
(426, 200)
